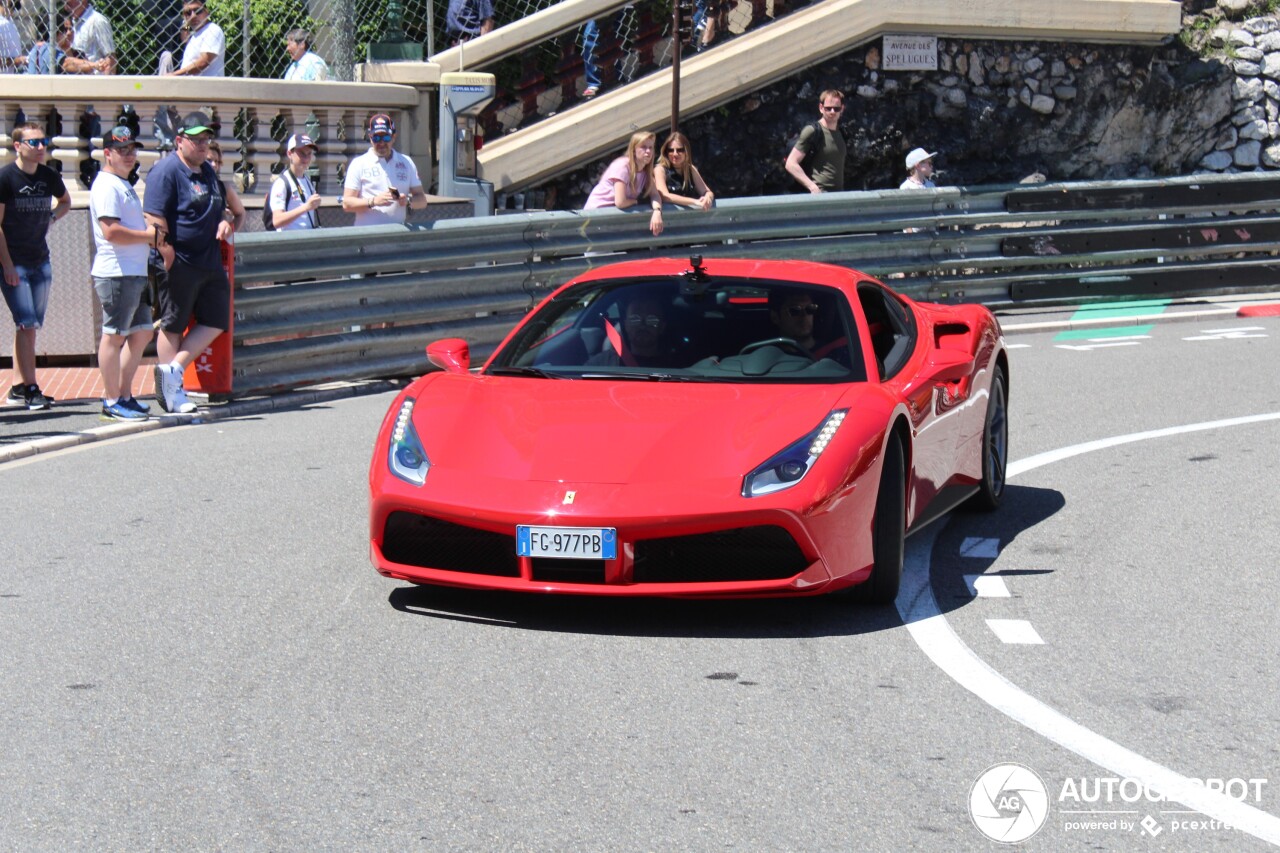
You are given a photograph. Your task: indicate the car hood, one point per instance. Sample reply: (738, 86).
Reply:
(605, 431)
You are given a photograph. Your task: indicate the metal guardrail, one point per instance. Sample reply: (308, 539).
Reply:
(348, 303)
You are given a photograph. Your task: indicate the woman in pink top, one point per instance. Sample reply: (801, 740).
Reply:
(629, 178)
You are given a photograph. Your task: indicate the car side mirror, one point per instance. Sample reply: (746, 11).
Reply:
(451, 354)
(948, 365)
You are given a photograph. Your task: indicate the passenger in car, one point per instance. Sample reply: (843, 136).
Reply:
(643, 341)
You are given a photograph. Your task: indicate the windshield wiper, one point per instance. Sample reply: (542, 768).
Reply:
(650, 377)
(523, 371)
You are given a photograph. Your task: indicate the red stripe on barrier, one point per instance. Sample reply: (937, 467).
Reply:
(1272, 310)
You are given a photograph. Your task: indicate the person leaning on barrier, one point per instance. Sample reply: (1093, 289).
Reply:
(27, 190)
(235, 207)
(919, 170)
(305, 64)
(94, 49)
(123, 240)
(206, 44)
(676, 178)
(38, 61)
(629, 178)
(382, 183)
(292, 199)
(184, 202)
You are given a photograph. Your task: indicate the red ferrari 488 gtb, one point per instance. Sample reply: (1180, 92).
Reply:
(678, 428)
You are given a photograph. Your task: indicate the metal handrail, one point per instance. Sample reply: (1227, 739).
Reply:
(305, 302)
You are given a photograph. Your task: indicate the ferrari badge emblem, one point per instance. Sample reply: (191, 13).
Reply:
(569, 496)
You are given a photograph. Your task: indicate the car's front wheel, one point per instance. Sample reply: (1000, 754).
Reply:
(889, 530)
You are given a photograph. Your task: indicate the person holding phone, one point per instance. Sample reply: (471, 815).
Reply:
(382, 184)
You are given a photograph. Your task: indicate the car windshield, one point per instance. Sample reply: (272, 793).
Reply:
(678, 329)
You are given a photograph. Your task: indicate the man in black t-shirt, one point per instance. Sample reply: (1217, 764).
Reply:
(27, 189)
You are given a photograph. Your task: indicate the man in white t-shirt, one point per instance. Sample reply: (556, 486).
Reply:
(206, 46)
(292, 199)
(382, 183)
(123, 240)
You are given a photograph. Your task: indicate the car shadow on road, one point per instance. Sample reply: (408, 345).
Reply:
(971, 541)
(649, 617)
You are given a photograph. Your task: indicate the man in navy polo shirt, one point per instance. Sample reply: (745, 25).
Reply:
(184, 201)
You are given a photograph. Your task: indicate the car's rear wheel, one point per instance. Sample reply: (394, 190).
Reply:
(889, 530)
(995, 445)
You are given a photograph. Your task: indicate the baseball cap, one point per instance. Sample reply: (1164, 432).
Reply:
(299, 140)
(197, 123)
(381, 123)
(120, 137)
(918, 156)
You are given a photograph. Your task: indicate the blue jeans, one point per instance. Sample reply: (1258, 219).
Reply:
(590, 39)
(28, 300)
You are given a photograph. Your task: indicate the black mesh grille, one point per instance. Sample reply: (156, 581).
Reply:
(742, 554)
(418, 540)
(568, 571)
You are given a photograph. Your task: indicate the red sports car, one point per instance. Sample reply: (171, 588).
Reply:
(678, 428)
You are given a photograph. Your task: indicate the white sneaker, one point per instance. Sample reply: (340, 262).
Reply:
(172, 397)
(181, 403)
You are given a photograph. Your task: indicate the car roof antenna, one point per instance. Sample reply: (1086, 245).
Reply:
(695, 278)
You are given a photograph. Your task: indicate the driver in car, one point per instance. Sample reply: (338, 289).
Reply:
(792, 313)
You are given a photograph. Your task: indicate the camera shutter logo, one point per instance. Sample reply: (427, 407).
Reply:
(1009, 803)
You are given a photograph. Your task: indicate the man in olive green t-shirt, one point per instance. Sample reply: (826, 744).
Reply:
(823, 157)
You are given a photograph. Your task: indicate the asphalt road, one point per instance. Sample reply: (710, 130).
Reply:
(199, 656)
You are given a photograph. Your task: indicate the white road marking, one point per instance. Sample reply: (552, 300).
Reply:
(1017, 346)
(931, 631)
(1228, 334)
(986, 586)
(1015, 631)
(1087, 347)
(980, 547)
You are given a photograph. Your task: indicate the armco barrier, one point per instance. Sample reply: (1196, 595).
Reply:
(358, 303)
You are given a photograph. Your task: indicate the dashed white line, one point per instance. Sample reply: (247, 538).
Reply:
(931, 631)
(1087, 347)
(986, 586)
(1015, 631)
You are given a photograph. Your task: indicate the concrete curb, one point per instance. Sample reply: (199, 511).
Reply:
(234, 409)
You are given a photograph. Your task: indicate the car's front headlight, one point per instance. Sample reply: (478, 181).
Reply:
(788, 467)
(405, 455)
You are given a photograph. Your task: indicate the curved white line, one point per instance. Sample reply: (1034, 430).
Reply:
(935, 637)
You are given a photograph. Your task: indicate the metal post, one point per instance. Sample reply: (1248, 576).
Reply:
(53, 38)
(676, 40)
(245, 47)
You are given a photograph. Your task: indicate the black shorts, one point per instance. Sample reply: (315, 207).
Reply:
(195, 291)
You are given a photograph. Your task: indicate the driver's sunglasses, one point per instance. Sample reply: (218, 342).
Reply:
(801, 310)
(379, 137)
(653, 321)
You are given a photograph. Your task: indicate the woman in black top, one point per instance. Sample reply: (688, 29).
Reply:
(677, 179)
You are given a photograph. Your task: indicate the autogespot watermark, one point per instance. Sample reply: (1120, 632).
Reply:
(1010, 803)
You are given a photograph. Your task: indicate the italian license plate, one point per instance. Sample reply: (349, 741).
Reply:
(575, 543)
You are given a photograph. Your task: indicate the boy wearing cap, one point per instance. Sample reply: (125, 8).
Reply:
(919, 170)
(123, 240)
(292, 199)
(382, 182)
(184, 202)
(27, 186)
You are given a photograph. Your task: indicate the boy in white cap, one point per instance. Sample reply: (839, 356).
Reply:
(293, 201)
(123, 238)
(919, 170)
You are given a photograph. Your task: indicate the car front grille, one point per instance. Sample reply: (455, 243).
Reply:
(741, 554)
(430, 543)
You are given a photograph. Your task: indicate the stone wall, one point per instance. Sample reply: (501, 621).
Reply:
(1000, 111)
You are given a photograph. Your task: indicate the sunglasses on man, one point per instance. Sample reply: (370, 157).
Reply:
(801, 310)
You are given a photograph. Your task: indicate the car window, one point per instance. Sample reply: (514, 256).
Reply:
(891, 326)
(713, 330)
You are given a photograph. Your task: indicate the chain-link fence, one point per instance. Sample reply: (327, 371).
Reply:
(255, 30)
